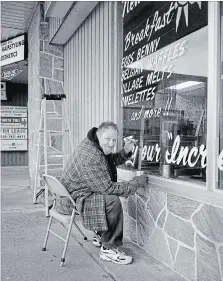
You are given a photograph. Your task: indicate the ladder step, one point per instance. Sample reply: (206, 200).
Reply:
(39, 193)
(58, 155)
(42, 190)
(54, 117)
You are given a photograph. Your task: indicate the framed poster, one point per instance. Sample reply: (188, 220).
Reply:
(14, 128)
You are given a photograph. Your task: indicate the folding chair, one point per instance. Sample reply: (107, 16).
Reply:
(56, 188)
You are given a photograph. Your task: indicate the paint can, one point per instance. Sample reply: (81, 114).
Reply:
(167, 171)
(139, 173)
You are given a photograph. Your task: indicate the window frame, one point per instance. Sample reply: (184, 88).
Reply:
(209, 192)
(213, 96)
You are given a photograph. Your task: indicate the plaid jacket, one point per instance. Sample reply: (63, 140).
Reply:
(87, 178)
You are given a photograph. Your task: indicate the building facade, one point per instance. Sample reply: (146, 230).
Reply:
(155, 69)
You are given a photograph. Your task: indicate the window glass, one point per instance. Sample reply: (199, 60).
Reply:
(164, 87)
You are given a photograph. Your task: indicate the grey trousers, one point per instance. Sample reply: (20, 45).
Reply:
(112, 238)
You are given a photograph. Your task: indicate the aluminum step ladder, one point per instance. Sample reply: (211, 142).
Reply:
(44, 116)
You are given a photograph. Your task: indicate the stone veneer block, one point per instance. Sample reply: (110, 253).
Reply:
(38, 107)
(58, 74)
(162, 219)
(185, 263)
(41, 45)
(37, 94)
(58, 63)
(55, 159)
(179, 230)
(145, 223)
(156, 203)
(131, 206)
(207, 261)
(209, 220)
(124, 203)
(181, 206)
(53, 49)
(44, 30)
(56, 142)
(221, 259)
(55, 172)
(54, 125)
(157, 246)
(50, 106)
(54, 166)
(54, 87)
(42, 86)
(51, 151)
(45, 65)
(42, 168)
(173, 246)
(141, 192)
(130, 229)
(42, 12)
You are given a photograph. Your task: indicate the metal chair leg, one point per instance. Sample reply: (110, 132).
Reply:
(47, 234)
(67, 240)
(85, 238)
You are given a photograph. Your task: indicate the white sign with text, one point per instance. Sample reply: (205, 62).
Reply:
(13, 50)
(14, 129)
(13, 111)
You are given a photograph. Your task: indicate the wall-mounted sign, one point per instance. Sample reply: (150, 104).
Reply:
(13, 122)
(9, 74)
(13, 111)
(3, 91)
(14, 128)
(13, 50)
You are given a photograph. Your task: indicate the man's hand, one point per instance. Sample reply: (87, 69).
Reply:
(142, 180)
(129, 144)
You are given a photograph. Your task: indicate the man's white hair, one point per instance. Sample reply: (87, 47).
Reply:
(107, 125)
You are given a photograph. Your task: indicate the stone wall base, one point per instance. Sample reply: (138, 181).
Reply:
(185, 235)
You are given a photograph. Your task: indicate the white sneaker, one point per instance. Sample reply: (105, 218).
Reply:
(115, 256)
(97, 240)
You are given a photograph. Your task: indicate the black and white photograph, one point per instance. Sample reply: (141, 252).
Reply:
(111, 140)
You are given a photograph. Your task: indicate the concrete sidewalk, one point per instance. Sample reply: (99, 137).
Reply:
(23, 230)
(15, 176)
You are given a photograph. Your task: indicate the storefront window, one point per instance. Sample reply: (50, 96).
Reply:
(164, 87)
(221, 98)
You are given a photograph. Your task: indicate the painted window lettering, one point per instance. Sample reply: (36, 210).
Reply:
(158, 22)
(129, 6)
(164, 87)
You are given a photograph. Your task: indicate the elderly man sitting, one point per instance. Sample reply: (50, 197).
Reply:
(90, 176)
